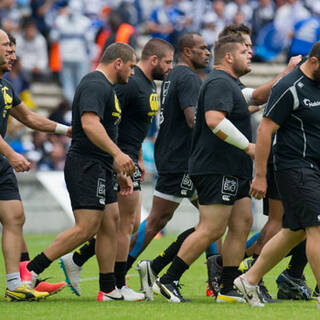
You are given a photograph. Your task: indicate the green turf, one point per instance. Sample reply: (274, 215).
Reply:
(65, 305)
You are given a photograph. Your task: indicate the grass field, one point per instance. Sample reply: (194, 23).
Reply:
(65, 305)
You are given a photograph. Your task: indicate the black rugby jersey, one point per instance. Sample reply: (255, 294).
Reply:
(172, 148)
(95, 94)
(209, 154)
(294, 104)
(8, 100)
(139, 104)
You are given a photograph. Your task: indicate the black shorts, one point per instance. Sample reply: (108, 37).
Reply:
(300, 194)
(220, 189)
(136, 180)
(8, 182)
(177, 185)
(272, 190)
(89, 183)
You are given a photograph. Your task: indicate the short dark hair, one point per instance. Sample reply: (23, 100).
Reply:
(233, 29)
(12, 39)
(186, 41)
(156, 47)
(315, 51)
(226, 44)
(117, 50)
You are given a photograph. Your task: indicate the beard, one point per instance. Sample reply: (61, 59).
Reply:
(122, 79)
(157, 73)
(316, 75)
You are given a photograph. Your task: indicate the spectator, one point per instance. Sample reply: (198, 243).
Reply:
(233, 7)
(306, 33)
(72, 32)
(131, 12)
(32, 49)
(262, 15)
(20, 84)
(213, 23)
(39, 151)
(120, 31)
(62, 113)
(10, 16)
(165, 22)
(39, 11)
(286, 17)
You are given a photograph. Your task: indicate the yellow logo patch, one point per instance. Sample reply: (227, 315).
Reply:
(7, 101)
(117, 113)
(154, 104)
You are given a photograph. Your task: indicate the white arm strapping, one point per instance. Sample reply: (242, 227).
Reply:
(262, 106)
(61, 129)
(226, 131)
(247, 93)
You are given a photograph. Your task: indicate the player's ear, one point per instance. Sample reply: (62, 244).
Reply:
(228, 57)
(117, 63)
(187, 51)
(154, 60)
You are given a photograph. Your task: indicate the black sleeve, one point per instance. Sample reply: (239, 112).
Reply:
(93, 98)
(16, 100)
(280, 104)
(188, 91)
(218, 96)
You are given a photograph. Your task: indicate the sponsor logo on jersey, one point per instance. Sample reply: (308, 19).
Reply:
(117, 112)
(7, 101)
(165, 89)
(154, 104)
(310, 103)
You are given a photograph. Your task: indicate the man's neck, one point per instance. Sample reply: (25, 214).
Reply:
(306, 69)
(186, 63)
(108, 73)
(226, 68)
(145, 68)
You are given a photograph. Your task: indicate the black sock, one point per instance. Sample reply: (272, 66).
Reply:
(24, 256)
(120, 273)
(82, 255)
(298, 260)
(130, 262)
(167, 256)
(228, 275)
(175, 271)
(39, 263)
(107, 282)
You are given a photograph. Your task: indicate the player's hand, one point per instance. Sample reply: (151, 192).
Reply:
(258, 187)
(125, 184)
(69, 133)
(142, 169)
(253, 109)
(250, 151)
(18, 162)
(123, 164)
(293, 62)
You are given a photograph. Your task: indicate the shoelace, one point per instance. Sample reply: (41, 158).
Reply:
(177, 286)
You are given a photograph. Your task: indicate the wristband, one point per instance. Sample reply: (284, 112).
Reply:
(61, 129)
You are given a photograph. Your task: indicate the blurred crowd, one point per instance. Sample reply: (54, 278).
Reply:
(62, 40)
